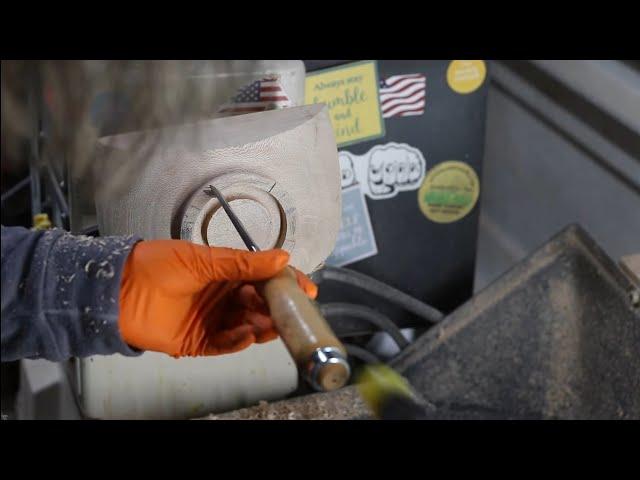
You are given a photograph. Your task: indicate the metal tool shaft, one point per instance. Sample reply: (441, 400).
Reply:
(246, 238)
(312, 344)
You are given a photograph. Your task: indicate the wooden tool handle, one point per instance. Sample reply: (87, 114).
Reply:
(304, 330)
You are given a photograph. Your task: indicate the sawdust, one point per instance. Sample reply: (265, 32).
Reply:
(88, 265)
(344, 404)
(564, 366)
(105, 271)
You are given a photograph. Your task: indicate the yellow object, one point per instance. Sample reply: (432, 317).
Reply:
(41, 221)
(449, 192)
(377, 382)
(351, 95)
(466, 76)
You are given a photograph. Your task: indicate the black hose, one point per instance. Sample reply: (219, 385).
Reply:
(393, 295)
(367, 314)
(361, 353)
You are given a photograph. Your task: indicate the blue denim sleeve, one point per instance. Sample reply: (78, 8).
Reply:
(60, 294)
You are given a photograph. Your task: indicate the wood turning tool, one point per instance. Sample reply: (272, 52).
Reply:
(319, 354)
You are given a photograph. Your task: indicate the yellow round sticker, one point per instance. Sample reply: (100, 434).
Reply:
(466, 76)
(449, 192)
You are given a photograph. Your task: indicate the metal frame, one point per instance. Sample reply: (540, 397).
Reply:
(48, 187)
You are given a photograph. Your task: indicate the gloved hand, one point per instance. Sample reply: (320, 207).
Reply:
(190, 300)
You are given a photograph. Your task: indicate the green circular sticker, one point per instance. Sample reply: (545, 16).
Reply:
(449, 192)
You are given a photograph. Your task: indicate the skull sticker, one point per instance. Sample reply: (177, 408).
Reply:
(347, 171)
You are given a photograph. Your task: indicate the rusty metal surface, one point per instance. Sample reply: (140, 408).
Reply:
(556, 337)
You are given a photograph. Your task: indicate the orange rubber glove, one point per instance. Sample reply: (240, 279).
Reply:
(190, 300)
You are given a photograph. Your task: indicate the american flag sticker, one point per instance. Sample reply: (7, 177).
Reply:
(258, 96)
(403, 95)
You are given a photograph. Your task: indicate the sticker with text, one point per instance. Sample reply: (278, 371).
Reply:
(350, 92)
(466, 76)
(356, 240)
(449, 192)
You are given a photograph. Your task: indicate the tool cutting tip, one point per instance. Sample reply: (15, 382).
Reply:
(246, 238)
